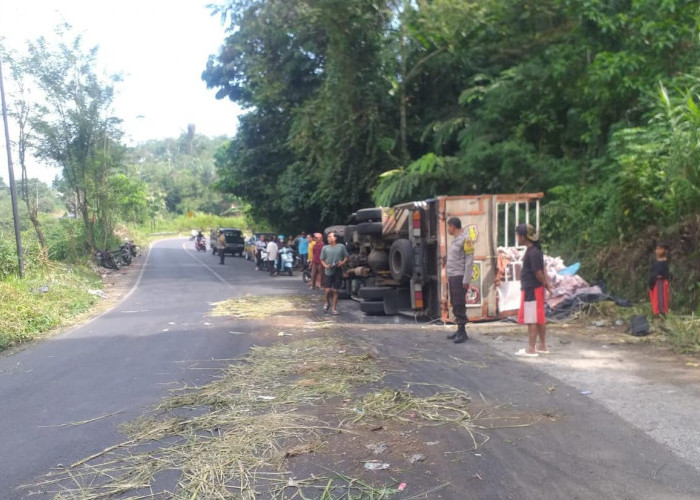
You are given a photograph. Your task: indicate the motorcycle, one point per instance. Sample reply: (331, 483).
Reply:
(129, 244)
(286, 261)
(125, 254)
(263, 261)
(200, 245)
(105, 258)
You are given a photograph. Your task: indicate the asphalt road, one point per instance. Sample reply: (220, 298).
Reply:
(123, 362)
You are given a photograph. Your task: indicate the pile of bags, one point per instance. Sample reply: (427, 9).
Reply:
(569, 290)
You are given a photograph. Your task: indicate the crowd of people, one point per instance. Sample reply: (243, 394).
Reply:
(324, 261)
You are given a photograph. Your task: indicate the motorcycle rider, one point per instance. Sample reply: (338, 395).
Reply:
(200, 240)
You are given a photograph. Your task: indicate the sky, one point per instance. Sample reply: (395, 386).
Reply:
(160, 47)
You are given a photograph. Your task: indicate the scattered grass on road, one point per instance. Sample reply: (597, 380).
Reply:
(237, 436)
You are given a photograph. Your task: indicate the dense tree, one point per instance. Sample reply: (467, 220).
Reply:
(180, 172)
(400, 99)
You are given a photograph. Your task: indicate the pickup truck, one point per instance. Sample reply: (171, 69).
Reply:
(397, 254)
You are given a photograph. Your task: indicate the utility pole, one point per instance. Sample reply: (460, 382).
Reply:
(13, 190)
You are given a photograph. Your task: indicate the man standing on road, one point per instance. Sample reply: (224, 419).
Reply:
(221, 247)
(302, 248)
(460, 259)
(316, 267)
(333, 258)
(272, 256)
(260, 245)
(533, 282)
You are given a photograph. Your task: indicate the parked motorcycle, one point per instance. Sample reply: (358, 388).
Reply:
(105, 258)
(133, 250)
(125, 253)
(286, 261)
(263, 261)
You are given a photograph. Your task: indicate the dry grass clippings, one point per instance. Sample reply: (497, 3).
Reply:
(250, 424)
(261, 307)
(232, 438)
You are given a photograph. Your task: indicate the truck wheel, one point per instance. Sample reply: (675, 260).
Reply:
(369, 215)
(372, 307)
(373, 292)
(395, 300)
(370, 228)
(349, 238)
(338, 230)
(401, 260)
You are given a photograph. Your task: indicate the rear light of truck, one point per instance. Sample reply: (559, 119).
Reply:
(416, 222)
(418, 296)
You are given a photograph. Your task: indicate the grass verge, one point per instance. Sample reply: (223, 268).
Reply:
(682, 333)
(46, 298)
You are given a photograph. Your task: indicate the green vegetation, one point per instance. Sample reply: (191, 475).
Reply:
(682, 332)
(61, 105)
(45, 299)
(360, 102)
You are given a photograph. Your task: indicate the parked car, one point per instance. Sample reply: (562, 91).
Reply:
(235, 245)
(251, 241)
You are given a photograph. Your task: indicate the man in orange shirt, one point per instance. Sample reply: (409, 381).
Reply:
(316, 269)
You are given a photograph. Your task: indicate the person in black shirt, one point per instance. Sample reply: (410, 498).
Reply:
(658, 280)
(533, 282)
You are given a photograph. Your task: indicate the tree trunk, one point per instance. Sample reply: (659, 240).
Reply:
(39, 234)
(402, 97)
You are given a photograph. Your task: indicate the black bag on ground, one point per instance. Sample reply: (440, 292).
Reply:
(639, 326)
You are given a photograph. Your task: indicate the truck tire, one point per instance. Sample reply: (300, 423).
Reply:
(372, 307)
(349, 238)
(373, 293)
(343, 294)
(338, 230)
(369, 215)
(395, 300)
(370, 228)
(401, 260)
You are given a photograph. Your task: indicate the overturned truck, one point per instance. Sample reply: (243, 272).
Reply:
(397, 255)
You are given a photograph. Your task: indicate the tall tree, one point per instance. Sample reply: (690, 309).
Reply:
(75, 129)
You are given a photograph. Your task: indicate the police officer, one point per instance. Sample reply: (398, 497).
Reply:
(460, 259)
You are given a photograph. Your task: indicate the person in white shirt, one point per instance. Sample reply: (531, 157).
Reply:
(272, 256)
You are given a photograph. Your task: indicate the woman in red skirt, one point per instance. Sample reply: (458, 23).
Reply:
(658, 280)
(533, 281)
